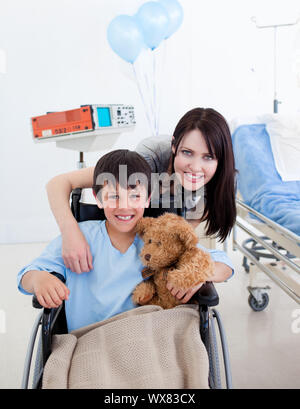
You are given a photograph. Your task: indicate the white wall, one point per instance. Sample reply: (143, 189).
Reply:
(55, 56)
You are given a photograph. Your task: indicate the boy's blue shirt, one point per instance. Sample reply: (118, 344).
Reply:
(107, 289)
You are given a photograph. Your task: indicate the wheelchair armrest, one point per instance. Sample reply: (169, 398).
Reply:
(77, 192)
(207, 295)
(35, 302)
(75, 198)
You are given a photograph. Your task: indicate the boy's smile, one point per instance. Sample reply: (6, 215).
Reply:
(125, 218)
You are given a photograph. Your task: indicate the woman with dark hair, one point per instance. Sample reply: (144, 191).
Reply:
(199, 156)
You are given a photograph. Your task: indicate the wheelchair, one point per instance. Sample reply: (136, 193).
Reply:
(50, 322)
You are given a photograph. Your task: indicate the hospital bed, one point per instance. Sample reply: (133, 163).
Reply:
(268, 213)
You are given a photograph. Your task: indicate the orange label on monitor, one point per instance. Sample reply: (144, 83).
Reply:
(60, 123)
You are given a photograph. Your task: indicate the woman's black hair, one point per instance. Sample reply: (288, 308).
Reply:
(109, 169)
(220, 208)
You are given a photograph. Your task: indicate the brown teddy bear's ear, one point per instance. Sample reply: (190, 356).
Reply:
(187, 235)
(183, 230)
(143, 225)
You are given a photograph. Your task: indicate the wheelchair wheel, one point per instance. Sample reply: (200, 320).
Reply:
(256, 305)
(38, 366)
(214, 362)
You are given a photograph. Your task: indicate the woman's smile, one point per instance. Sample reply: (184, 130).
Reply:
(193, 177)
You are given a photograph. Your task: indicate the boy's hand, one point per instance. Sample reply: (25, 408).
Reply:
(183, 295)
(49, 290)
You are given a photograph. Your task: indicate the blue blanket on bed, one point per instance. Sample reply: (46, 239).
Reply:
(258, 180)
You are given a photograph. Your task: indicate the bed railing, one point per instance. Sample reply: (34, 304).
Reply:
(277, 243)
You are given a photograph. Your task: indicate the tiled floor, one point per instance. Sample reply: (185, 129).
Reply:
(264, 351)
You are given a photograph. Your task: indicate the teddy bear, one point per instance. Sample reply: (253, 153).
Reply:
(170, 254)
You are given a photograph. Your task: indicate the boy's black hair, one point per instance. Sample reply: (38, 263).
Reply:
(108, 169)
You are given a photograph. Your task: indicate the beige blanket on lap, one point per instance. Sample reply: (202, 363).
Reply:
(144, 348)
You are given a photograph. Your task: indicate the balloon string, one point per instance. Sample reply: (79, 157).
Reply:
(146, 77)
(161, 75)
(154, 95)
(142, 97)
(146, 86)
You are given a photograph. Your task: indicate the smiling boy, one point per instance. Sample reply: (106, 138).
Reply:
(105, 290)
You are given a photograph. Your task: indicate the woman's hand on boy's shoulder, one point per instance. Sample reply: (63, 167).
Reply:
(76, 251)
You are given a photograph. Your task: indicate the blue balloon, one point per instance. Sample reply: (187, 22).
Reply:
(153, 20)
(175, 14)
(125, 37)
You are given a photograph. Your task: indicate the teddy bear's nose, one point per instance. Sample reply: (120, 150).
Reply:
(147, 257)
